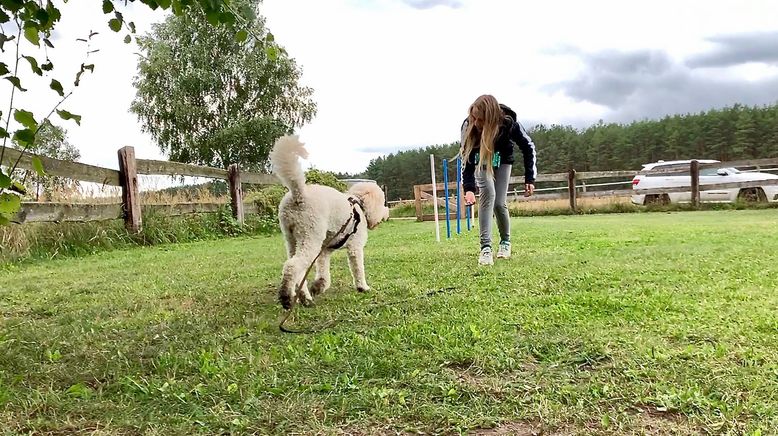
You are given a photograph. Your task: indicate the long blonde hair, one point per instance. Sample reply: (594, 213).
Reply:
(486, 112)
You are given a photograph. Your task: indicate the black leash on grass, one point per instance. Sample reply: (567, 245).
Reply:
(333, 322)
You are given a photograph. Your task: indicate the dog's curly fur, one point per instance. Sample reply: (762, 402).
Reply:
(312, 219)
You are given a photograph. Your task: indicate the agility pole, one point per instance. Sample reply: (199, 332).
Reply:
(459, 193)
(445, 192)
(434, 196)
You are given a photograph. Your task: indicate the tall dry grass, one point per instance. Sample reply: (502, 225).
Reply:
(50, 240)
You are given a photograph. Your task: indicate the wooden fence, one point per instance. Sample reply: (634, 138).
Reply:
(130, 208)
(574, 190)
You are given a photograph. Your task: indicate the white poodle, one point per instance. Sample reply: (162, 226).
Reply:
(317, 220)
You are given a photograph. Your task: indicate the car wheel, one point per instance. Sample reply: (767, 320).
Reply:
(752, 195)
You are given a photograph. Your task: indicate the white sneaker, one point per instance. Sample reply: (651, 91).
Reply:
(504, 252)
(486, 256)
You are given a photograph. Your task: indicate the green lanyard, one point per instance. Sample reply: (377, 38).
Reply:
(495, 159)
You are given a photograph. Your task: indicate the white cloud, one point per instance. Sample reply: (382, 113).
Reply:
(388, 75)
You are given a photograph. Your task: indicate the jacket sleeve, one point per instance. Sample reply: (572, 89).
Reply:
(521, 138)
(468, 167)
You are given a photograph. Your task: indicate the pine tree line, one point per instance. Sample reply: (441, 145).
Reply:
(731, 133)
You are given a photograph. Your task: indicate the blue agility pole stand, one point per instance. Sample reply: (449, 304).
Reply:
(459, 193)
(445, 190)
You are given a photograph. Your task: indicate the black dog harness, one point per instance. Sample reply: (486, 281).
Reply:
(355, 202)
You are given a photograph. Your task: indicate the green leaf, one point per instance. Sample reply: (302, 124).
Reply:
(16, 82)
(10, 203)
(84, 67)
(4, 133)
(3, 69)
(115, 24)
(272, 52)
(48, 43)
(107, 6)
(48, 66)
(24, 136)
(32, 35)
(37, 165)
(269, 37)
(3, 40)
(79, 390)
(226, 18)
(43, 18)
(132, 26)
(65, 115)
(12, 5)
(178, 8)
(4, 220)
(18, 188)
(164, 4)
(25, 118)
(241, 36)
(212, 17)
(5, 181)
(55, 85)
(34, 65)
(127, 39)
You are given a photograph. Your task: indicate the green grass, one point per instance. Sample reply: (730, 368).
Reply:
(631, 323)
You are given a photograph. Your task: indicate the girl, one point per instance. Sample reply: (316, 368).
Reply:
(488, 136)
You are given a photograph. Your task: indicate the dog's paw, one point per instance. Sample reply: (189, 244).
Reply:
(307, 302)
(318, 287)
(363, 288)
(285, 300)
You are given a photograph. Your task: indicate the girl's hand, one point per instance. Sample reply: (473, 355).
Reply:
(469, 198)
(529, 189)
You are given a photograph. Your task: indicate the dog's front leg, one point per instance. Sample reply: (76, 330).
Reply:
(357, 265)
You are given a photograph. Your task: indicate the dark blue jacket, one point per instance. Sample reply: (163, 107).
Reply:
(511, 132)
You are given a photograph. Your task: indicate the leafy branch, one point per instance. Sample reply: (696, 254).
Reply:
(35, 20)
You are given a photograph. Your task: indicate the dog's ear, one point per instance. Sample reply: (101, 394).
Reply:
(373, 198)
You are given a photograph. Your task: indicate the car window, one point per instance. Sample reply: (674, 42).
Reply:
(709, 172)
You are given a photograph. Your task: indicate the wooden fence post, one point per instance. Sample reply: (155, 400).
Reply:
(236, 192)
(694, 171)
(571, 189)
(417, 201)
(128, 177)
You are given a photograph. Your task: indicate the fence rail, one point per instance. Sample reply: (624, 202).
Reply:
(130, 208)
(576, 191)
(61, 168)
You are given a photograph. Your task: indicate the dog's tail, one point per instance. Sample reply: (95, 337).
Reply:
(285, 160)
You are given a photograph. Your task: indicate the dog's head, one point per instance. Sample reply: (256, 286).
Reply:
(373, 198)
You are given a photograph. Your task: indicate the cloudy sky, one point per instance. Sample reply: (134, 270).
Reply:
(396, 74)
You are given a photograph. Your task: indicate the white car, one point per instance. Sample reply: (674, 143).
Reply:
(708, 176)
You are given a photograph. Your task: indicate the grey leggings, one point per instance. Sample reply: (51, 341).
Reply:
(494, 192)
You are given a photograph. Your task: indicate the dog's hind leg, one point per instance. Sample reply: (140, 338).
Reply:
(356, 263)
(294, 271)
(322, 282)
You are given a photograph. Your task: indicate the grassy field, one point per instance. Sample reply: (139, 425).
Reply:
(655, 323)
